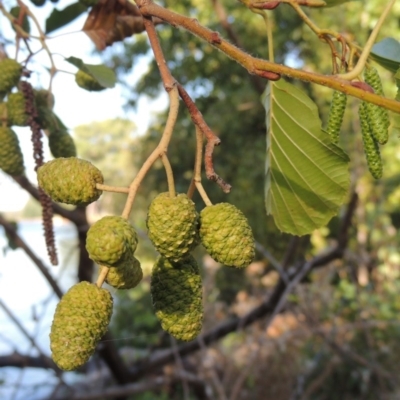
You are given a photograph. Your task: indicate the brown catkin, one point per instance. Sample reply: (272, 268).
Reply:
(45, 201)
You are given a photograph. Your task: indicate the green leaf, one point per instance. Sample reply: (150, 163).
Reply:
(307, 176)
(104, 75)
(387, 54)
(58, 19)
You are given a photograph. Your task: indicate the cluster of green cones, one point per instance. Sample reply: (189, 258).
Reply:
(175, 229)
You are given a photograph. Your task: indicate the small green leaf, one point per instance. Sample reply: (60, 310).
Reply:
(104, 75)
(58, 19)
(387, 54)
(307, 176)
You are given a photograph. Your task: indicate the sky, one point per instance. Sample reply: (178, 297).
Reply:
(73, 105)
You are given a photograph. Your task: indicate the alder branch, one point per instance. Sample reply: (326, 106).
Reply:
(18, 360)
(259, 66)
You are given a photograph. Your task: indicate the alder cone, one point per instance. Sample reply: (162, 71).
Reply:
(127, 276)
(87, 82)
(80, 321)
(172, 224)
(70, 180)
(176, 291)
(11, 159)
(10, 73)
(61, 143)
(111, 240)
(16, 113)
(226, 235)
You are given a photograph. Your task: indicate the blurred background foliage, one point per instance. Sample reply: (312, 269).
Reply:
(339, 336)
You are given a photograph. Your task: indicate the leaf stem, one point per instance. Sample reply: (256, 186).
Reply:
(196, 181)
(102, 276)
(170, 174)
(114, 189)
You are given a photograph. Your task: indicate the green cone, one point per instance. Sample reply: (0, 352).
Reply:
(226, 235)
(111, 240)
(70, 180)
(176, 291)
(172, 224)
(10, 73)
(80, 321)
(61, 143)
(11, 159)
(127, 276)
(16, 110)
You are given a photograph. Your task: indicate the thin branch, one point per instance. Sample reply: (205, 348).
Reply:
(170, 87)
(212, 139)
(274, 262)
(258, 66)
(160, 149)
(18, 360)
(169, 173)
(114, 189)
(196, 181)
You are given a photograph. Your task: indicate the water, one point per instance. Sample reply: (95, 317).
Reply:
(26, 293)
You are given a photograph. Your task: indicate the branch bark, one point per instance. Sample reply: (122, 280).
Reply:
(257, 66)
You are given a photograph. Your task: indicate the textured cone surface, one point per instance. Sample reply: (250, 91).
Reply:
(11, 160)
(61, 144)
(16, 110)
(176, 291)
(44, 104)
(371, 147)
(336, 113)
(87, 82)
(81, 319)
(172, 224)
(70, 180)
(226, 235)
(126, 276)
(10, 72)
(111, 240)
(372, 77)
(378, 117)
(44, 98)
